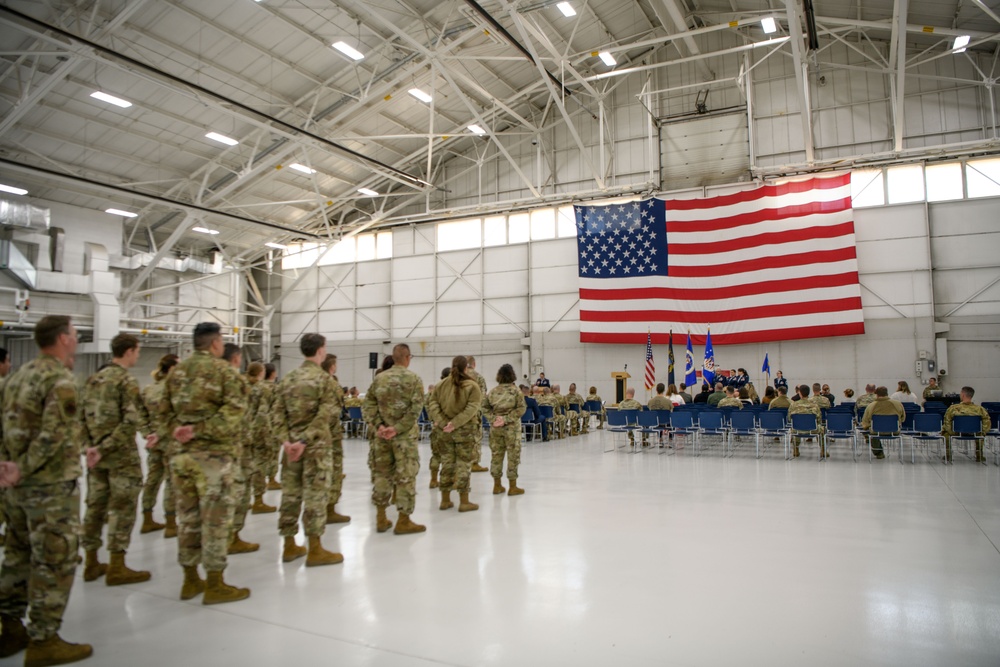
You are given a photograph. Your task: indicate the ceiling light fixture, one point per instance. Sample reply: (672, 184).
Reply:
(301, 167)
(608, 59)
(960, 43)
(12, 190)
(768, 24)
(420, 95)
(222, 139)
(566, 9)
(118, 211)
(276, 246)
(475, 129)
(368, 192)
(111, 99)
(204, 230)
(348, 50)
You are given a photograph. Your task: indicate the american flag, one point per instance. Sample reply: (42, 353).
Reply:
(650, 368)
(777, 262)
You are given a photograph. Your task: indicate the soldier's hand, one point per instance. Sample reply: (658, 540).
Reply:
(183, 434)
(294, 450)
(152, 440)
(498, 422)
(388, 432)
(93, 457)
(10, 474)
(448, 428)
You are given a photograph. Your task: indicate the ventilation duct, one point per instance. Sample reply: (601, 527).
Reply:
(16, 265)
(19, 214)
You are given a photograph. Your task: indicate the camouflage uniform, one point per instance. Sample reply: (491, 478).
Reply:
(301, 411)
(632, 404)
(779, 402)
(41, 432)
(731, 402)
(574, 415)
(822, 401)
(395, 399)
(262, 453)
(551, 401)
(353, 429)
(561, 409)
(482, 391)
(206, 393)
(336, 445)
(458, 447)
(806, 406)
(113, 411)
(436, 452)
(962, 409)
(600, 415)
(881, 406)
(244, 461)
(505, 401)
(660, 403)
(863, 402)
(158, 458)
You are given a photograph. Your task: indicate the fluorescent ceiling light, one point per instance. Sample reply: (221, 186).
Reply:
(348, 51)
(420, 95)
(566, 9)
(301, 167)
(475, 129)
(768, 25)
(11, 189)
(118, 211)
(608, 59)
(204, 230)
(368, 192)
(111, 99)
(222, 139)
(276, 246)
(960, 43)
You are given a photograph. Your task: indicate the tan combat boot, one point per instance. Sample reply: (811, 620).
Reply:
(333, 517)
(171, 529)
(434, 479)
(382, 522)
(478, 468)
(14, 638)
(515, 490)
(148, 525)
(273, 485)
(406, 527)
(119, 574)
(497, 486)
(193, 585)
(92, 568)
(219, 592)
(446, 503)
(464, 505)
(291, 550)
(55, 651)
(260, 507)
(320, 556)
(238, 546)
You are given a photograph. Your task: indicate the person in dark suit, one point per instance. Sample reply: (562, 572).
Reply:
(706, 391)
(542, 381)
(532, 408)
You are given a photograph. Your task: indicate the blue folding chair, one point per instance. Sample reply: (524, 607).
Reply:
(682, 426)
(887, 429)
(926, 430)
(742, 423)
(711, 423)
(770, 425)
(805, 424)
(621, 421)
(840, 426)
(966, 429)
(529, 426)
(547, 413)
(358, 421)
(593, 409)
(649, 424)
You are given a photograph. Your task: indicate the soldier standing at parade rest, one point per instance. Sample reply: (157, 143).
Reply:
(39, 472)
(264, 417)
(5, 365)
(232, 355)
(436, 451)
(259, 436)
(391, 408)
(454, 407)
(504, 407)
(966, 407)
(573, 398)
(304, 405)
(471, 370)
(336, 445)
(158, 457)
(593, 396)
(113, 411)
(203, 403)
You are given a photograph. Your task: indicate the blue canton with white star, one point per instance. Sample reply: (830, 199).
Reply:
(622, 240)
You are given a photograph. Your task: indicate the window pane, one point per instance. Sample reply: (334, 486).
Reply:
(300, 255)
(566, 221)
(543, 224)
(460, 234)
(906, 183)
(383, 245)
(366, 247)
(944, 181)
(518, 226)
(343, 252)
(867, 188)
(495, 231)
(983, 178)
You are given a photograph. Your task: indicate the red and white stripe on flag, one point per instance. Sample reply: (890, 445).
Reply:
(774, 263)
(650, 368)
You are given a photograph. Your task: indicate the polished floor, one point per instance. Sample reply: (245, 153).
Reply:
(608, 559)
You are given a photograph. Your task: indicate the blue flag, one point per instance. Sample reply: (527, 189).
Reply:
(670, 367)
(708, 367)
(690, 378)
(766, 368)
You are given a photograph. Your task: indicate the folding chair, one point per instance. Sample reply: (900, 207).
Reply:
(663, 423)
(648, 424)
(771, 424)
(548, 418)
(887, 429)
(806, 424)
(840, 426)
(966, 429)
(528, 426)
(926, 429)
(358, 421)
(711, 423)
(742, 422)
(682, 426)
(424, 424)
(593, 409)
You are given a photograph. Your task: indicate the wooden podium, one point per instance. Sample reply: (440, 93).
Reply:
(621, 385)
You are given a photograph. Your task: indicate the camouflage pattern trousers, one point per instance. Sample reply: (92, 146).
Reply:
(458, 451)
(505, 440)
(264, 459)
(242, 473)
(305, 488)
(396, 463)
(112, 498)
(158, 471)
(336, 470)
(573, 417)
(41, 554)
(435, 450)
(203, 484)
(478, 453)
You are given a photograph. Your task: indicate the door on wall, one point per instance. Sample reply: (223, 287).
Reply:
(704, 151)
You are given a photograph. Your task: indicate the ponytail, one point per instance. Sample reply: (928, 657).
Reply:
(458, 366)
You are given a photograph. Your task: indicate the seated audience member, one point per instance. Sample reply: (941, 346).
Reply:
(903, 393)
(675, 398)
(731, 400)
(660, 401)
(769, 395)
(818, 398)
(828, 395)
(685, 394)
(806, 405)
(702, 397)
(882, 405)
(752, 393)
(718, 395)
(781, 400)
(966, 407)
(592, 396)
(631, 404)
(849, 394)
(744, 396)
(866, 398)
(780, 381)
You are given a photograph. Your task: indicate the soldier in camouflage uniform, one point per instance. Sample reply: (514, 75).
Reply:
(819, 399)
(561, 410)
(257, 436)
(203, 403)
(5, 364)
(232, 355)
(268, 450)
(158, 456)
(806, 405)
(931, 389)
(593, 396)
(573, 398)
(781, 400)
(471, 370)
(545, 397)
(40, 436)
(391, 407)
(865, 399)
(353, 401)
(631, 404)
(454, 407)
(731, 401)
(301, 412)
(436, 451)
(336, 445)
(113, 411)
(882, 405)
(966, 407)
(504, 407)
